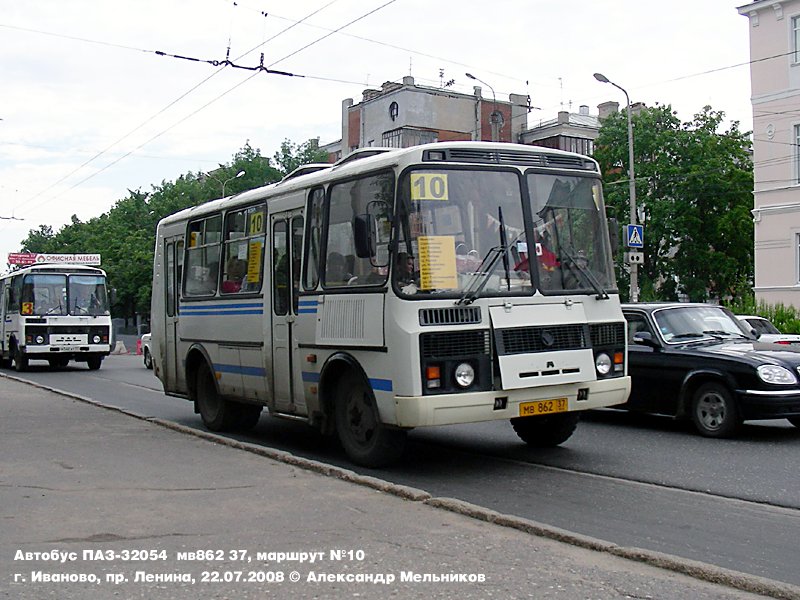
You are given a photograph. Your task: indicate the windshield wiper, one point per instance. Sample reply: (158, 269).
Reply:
(692, 334)
(480, 278)
(587, 274)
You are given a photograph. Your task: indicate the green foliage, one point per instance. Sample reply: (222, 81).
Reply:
(291, 156)
(785, 318)
(693, 193)
(125, 235)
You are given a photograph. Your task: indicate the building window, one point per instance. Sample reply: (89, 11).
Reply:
(796, 154)
(405, 137)
(795, 40)
(797, 256)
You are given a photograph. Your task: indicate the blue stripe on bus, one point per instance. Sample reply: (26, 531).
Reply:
(381, 385)
(252, 371)
(207, 306)
(201, 313)
(307, 311)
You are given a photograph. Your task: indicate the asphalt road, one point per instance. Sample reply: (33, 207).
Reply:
(636, 481)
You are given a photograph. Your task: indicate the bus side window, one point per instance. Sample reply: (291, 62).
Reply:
(313, 239)
(202, 256)
(15, 293)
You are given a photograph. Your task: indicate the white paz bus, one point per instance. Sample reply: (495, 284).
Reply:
(447, 283)
(54, 312)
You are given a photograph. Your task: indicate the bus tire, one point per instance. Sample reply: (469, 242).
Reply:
(20, 360)
(247, 415)
(94, 362)
(546, 431)
(148, 359)
(217, 413)
(58, 362)
(366, 440)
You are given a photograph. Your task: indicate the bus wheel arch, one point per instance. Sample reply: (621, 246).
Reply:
(352, 412)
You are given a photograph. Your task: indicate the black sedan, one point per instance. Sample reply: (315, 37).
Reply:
(696, 361)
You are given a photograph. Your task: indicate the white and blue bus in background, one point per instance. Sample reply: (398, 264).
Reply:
(448, 283)
(55, 313)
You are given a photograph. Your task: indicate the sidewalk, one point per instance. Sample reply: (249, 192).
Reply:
(95, 504)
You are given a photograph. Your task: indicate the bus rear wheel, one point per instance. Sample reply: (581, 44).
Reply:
(366, 440)
(217, 413)
(94, 362)
(546, 431)
(58, 362)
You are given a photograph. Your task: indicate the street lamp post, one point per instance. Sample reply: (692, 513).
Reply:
(227, 181)
(631, 181)
(494, 119)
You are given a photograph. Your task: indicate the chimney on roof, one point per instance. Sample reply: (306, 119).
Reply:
(583, 110)
(563, 116)
(607, 109)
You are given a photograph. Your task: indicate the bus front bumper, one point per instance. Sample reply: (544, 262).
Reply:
(450, 409)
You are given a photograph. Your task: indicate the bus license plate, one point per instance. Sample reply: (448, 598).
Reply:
(542, 407)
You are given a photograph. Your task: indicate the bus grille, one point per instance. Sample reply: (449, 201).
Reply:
(459, 315)
(522, 340)
(607, 334)
(455, 344)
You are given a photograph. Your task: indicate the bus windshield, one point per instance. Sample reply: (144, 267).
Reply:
(463, 231)
(59, 294)
(569, 233)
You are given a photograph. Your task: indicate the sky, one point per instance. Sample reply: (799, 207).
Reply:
(90, 111)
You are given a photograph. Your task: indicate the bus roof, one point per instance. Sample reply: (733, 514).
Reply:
(56, 268)
(469, 153)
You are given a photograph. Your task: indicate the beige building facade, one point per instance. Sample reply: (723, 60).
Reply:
(774, 27)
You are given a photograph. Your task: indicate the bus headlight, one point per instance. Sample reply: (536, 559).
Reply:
(603, 364)
(40, 339)
(96, 339)
(464, 375)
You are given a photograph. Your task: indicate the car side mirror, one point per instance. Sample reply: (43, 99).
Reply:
(645, 338)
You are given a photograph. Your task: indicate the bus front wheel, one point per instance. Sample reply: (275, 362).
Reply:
(546, 431)
(366, 440)
(217, 413)
(20, 360)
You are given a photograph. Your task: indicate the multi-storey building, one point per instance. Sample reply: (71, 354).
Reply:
(775, 80)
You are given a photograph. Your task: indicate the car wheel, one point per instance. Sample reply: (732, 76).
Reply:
(794, 421)
(714, 413)
(148, 360)
(546, 431)
(366, 440)
(217, 414)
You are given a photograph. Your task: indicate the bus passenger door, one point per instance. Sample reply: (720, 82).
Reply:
(173, 266)
(287, 233)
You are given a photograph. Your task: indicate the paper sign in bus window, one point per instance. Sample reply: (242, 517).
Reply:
(429, 186)
(254, 263)
(437, 260)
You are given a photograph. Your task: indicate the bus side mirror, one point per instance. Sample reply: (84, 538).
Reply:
(365, 247)
(613, 235)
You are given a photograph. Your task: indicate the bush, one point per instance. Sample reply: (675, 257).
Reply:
(785, 318)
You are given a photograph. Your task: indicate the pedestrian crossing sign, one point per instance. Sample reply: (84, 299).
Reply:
(636, 236)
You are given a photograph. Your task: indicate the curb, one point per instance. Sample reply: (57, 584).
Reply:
(695, 569)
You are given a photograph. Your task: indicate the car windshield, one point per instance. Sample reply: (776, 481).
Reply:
(687, 323)
(763, 326)
(462, 232)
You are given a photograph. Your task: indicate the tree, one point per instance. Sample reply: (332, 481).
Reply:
(693, 193)
(125, 235)
(291, 156)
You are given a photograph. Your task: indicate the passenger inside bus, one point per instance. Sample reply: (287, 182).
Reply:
(235, 271)
(336, 272)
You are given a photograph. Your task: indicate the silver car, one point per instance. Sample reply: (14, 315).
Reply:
(767, 332)
(147, 356)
